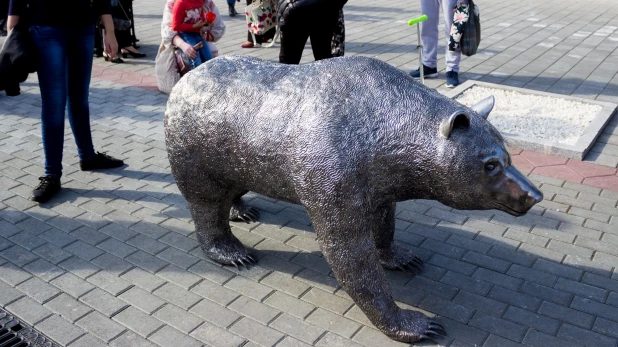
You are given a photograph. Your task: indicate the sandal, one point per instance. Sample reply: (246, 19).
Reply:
(116, 60)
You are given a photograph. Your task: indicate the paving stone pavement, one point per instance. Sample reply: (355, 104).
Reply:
(113, 260)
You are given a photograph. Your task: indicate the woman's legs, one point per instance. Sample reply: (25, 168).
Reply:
(232, 10)
(293, 42)
(79, 72)
(51, 45)
(322, 37)
(430, 32)
(204, 52)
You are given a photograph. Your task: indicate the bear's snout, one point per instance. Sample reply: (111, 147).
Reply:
(518, 194)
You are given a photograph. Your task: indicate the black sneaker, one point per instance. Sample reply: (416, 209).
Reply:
(46, 189)
(452, 79)
(100, 161)
(428, 72)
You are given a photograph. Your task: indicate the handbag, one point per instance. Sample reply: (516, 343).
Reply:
(261, 17)
(471, 36)
(119, 23)
(17, 59)
(166, 69)
(183, 62)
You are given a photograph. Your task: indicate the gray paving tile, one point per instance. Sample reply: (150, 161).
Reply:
(60, 329)
(103, 302)
(67, 307)
(170, 337)
(100, 326)
(28, 310)
(138, 321)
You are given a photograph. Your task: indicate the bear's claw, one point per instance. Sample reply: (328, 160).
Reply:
(399, 258)
(415, 266)
(249, 215)
(435, 331)
(241, 211)
(245, 261)
(413, 326)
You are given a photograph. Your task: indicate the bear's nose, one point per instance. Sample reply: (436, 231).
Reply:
(534, 196)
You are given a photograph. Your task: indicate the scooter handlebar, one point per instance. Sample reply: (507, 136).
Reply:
(417, 20)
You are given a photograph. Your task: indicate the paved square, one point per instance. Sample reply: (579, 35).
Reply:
(113, 260)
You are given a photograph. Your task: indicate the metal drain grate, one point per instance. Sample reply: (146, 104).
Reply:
(14, 333)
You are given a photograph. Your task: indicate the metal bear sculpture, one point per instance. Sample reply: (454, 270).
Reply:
(347, 138)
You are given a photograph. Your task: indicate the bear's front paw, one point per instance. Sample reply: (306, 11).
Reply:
(400, 258)
(229, 251)
(412, 326)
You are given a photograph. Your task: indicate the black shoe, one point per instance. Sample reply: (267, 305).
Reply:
(116, 60)
(233, 12)
(452, 79)
(133, 54)
(100, 161)
(428, 72)
(46, 189)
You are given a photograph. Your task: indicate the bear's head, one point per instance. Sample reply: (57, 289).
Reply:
(476, 172)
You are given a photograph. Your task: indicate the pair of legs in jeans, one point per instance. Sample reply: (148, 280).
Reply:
(64, 66)
(232, 10)
(203, 54)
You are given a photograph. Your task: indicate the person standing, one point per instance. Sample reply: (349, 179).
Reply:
(300, 20)
(64, 42)
(231, 4)
(430, 34)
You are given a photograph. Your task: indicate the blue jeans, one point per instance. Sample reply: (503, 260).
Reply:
(203, 54)
(231, 2)
(64, 66)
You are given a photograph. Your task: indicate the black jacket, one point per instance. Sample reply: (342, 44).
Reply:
(16, 60)
(297, 12)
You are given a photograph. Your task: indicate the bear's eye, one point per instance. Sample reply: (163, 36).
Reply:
(490, 167)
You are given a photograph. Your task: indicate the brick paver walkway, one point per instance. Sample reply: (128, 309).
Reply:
(113, 260)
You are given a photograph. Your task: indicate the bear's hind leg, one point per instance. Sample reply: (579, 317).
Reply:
(214, 234)
(393, 256)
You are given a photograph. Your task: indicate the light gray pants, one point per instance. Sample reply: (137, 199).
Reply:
(430, 33)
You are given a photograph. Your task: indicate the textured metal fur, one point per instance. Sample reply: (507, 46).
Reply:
(347, 138)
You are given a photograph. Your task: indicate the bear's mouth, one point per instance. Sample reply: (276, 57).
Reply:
(509, 210)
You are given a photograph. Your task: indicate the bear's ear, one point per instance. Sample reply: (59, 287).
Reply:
(484, 107)
(456, 120)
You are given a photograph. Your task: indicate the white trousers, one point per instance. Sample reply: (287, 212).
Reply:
(430, 33)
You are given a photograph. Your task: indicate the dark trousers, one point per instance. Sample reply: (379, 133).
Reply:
(64, 66)
(294, 37)
(122, 11)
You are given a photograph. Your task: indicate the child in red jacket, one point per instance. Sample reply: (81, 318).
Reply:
(188, 18)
